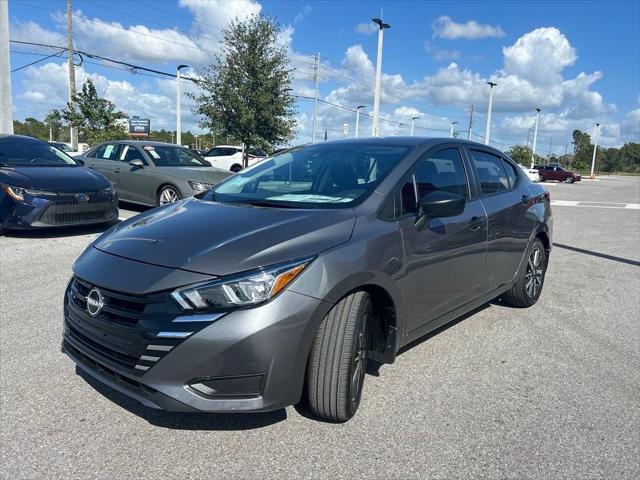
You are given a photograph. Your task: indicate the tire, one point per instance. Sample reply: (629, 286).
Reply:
(525, 292)
(235, 168)
(338, 360)
(569, 180)
(167, 194)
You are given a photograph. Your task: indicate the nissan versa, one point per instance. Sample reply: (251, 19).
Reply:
(41, 186)
(278, 285)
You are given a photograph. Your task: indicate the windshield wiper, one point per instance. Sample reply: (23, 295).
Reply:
(266, 203)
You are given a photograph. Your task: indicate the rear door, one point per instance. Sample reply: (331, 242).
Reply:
(105, 160)
(444, 260)
(505, 198)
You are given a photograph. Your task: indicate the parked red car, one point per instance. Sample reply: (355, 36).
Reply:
(555, 172)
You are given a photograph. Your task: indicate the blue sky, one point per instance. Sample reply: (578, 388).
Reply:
(578, 61)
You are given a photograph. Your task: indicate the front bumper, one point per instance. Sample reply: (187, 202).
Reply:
(270, 343)
(59, 211)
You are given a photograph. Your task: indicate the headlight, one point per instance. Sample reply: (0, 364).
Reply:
(200, 186)
(17, 193)
(247, 289)
(108, 189)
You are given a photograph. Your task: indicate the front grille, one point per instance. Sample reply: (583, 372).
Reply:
(123, 336)
(71, 211)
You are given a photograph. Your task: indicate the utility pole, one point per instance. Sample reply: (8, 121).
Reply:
(358, 119)
(73, 131)
(487, 135)
(452, 125)
(316, 77)
(470, 123)
(6, 111)
(376, 97)
(178, 106)
(595, 148)
(412, 124)
(550, 146)
(535, 137)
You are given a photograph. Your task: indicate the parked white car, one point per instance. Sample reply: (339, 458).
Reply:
(532, 173)
(66, 148)
(229, 157)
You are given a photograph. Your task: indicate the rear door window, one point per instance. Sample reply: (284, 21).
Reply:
(491, 172)
(512, 173)
(107, 152)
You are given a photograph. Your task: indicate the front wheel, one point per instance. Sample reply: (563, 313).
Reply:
(528, 285)
(167, 194)
(338, 359)
(569, 179)
(236, 168)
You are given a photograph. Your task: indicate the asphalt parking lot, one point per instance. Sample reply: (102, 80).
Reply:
(548, 392)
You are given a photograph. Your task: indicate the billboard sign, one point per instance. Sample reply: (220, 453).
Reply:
(139, 126)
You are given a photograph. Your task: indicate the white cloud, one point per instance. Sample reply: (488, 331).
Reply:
(445, 27)
(539, 55)
(31, 31)
(304, 13)
(440, 53)
(368, 28)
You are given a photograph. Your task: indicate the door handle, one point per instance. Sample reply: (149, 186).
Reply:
(475, 223)
(92, 167)
(117, 170)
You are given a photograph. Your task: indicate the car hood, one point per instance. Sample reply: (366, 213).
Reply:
(56, 179)
(220, 239)
(211, 175)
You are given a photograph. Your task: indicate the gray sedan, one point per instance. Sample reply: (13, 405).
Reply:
(152, 173)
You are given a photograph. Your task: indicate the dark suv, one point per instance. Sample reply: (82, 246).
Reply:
(279, 284)
(556, 172)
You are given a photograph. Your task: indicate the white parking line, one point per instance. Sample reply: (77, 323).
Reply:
(589, 204)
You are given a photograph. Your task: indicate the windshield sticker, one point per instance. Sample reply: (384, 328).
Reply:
(148, 148)
(293, 197)
(153, 153)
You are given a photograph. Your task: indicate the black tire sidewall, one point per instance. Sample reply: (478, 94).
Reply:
(535, 244)
(364, 318)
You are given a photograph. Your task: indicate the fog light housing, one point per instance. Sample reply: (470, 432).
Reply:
(225, 387)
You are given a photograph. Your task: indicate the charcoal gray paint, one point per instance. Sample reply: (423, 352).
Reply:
(432, 275)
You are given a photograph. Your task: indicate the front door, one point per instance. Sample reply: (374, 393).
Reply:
(445, 259)
(133, 182)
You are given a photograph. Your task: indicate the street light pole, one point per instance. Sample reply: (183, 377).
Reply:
(535, 137)
(595, 148)
(316, 79)
(358, 119)
(452, 124)
(6, 110)
(376, 97)
(412, 124)
(178, 126)
(487, 134)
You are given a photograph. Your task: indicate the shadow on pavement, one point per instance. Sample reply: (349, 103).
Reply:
(186, 421)
(598, 254)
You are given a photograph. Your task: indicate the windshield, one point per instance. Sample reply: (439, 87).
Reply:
(329, 176)
(63, 146)
(168, 156)
(33, 154)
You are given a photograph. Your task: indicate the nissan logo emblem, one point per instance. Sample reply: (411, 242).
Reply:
(95, 302)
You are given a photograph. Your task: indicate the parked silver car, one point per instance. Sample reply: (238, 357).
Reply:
(152, 173)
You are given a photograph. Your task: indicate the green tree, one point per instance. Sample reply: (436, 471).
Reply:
(245, 89)
(53, 121)
(96, 115)
(522, 155)
(584, 150)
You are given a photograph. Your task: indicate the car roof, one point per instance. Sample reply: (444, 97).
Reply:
(10, 138)
(410, 141)
(227, 146)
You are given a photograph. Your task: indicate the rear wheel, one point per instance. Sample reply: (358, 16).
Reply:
(338, 359)
(528, 286)
(569, 179)
(236, 168)
(168, 194)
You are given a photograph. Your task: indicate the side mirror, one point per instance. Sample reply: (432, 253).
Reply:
(79, 160)
(439, 204)
(136, 162)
